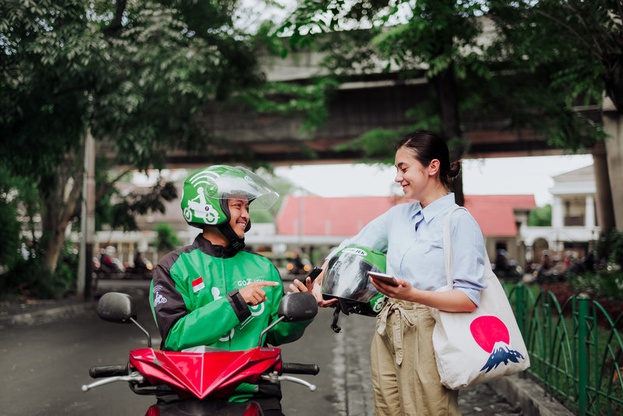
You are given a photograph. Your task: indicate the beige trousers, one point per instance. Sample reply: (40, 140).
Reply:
(405, 380)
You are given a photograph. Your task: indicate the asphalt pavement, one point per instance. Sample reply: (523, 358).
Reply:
(512, 395)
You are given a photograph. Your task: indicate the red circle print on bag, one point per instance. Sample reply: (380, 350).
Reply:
(487, 330)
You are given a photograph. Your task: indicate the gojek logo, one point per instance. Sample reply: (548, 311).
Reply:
(492, 335)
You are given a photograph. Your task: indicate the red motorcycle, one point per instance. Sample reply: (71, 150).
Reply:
(199, 383)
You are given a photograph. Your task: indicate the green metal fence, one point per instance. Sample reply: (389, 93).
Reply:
(575, 350)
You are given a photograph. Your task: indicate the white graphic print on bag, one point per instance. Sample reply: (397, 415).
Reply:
(492, 335)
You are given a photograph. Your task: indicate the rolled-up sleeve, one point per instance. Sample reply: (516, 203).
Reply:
(468, 256)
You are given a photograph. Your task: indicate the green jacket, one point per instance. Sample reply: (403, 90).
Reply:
(195, 301)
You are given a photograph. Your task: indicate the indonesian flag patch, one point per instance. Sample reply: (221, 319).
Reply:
(198, 284)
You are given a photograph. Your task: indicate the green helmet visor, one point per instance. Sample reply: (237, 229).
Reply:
(243, 183)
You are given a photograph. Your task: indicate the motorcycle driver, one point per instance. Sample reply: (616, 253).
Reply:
(212, 292)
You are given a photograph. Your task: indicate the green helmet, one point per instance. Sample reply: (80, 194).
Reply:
(206, 191)
(347, 280)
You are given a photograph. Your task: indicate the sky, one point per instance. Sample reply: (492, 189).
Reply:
(492, 176)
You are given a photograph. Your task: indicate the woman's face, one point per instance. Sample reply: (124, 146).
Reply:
(239, 212)
(414, 178)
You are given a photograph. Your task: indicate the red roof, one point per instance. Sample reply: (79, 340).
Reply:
(330, 216)
(496, 213)
(314, 215)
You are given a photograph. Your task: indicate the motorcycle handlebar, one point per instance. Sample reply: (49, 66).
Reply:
(108, 371)
(295, 368)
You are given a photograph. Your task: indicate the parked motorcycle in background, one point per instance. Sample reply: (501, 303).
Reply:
(506, 268)
(199, 382)
(107, 266)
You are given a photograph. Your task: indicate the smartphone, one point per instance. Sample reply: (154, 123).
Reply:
(313, 274)
(385, 278)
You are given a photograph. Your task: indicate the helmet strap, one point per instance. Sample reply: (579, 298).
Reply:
(235, 243)
(336, 315)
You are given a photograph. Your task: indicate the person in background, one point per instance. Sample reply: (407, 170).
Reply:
(212, 292)
(404, 374)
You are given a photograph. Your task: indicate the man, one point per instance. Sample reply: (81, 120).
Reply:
(212, 292)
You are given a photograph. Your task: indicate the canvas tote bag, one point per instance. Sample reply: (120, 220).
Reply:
(481, 345)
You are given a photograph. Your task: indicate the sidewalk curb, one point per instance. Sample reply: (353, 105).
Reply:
(532, 398)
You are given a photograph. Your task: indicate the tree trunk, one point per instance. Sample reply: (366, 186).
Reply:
(60, 204)
(613, 125)
(605, 211)
(445, 86)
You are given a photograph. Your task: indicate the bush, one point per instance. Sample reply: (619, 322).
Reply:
(610, 251)
(167, 239)
(27, 278)
(600, 285)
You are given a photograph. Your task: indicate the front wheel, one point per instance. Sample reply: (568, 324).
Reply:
(196, 407)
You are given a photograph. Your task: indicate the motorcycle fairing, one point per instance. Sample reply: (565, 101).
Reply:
(215, 373)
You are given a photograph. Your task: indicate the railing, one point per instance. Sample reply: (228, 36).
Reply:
(576, 352)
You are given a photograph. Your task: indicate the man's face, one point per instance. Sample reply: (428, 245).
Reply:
(239, 212)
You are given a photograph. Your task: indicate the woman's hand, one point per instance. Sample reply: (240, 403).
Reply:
(402, 291)
(449, 301)
(306, 285)
(301, 285)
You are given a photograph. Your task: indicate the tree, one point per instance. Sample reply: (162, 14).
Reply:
(475, 71)
(17, 200)
(541, 216)
(578, 45)
(434, 39)
(135, 74)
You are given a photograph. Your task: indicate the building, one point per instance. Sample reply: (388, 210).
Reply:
(319, 223)
(574, 222)
(316, 224)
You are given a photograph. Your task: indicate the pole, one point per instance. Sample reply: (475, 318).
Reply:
(87, 221)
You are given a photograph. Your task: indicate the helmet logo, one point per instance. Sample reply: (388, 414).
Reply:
(356, 251)
(377, 304)
(198, 209)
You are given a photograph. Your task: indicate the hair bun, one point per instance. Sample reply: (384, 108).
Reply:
(455, 169)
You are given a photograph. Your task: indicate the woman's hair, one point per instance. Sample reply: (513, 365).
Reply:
(426, 146)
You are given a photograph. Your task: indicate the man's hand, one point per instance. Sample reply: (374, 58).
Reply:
(254, 294)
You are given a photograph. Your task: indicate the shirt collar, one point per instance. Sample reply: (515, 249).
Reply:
(438, 206)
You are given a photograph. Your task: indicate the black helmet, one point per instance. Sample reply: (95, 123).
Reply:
(347, 280)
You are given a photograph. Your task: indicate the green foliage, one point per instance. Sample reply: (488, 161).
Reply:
(609, 250)
(310, 100)
(527, 64)
(568, 48)
(18, 203)
(119, 210)
(377, 143)
(166, 239)
(600, 285)
(29, 278)
(11, 227)
(137, 75)
(541, 216)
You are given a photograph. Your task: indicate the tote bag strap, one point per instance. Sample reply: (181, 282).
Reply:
(447, 245)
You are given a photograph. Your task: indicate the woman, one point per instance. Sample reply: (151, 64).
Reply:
(404, 374)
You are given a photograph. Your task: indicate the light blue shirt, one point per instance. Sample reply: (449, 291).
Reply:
(412, 239)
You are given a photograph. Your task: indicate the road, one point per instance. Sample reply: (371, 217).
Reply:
(44, 366)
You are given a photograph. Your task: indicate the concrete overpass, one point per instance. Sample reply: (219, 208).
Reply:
(380, 100)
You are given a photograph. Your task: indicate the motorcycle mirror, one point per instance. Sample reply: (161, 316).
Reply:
(117, 307)
(299, 306)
